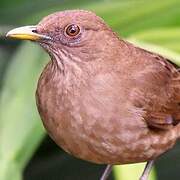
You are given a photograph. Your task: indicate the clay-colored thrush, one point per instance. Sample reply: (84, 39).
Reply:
(101, 98)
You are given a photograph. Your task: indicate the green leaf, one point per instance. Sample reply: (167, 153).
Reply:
(9, 170)
(165, 37)
(127, 17)
(131, 172)
(21, 128)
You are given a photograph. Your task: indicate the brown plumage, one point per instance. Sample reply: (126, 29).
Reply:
(101, 98)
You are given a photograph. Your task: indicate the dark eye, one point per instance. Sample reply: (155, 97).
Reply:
(72, 30)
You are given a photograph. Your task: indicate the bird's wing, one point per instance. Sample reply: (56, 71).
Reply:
(157, 91)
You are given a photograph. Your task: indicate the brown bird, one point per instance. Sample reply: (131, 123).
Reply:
(101, 98)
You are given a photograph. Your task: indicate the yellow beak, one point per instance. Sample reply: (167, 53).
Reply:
(27, 33)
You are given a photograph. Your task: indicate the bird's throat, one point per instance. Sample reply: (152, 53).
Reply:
(65, 62)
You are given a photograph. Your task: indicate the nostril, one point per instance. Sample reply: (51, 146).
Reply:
(34, 31)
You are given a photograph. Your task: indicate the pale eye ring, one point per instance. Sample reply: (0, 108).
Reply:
(72, 30)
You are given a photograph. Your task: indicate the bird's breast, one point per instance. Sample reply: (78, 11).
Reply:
(92, 120)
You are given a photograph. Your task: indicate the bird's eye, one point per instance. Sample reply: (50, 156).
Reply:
(72, 30)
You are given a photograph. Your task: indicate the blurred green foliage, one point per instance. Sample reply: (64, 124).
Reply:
(154, 25)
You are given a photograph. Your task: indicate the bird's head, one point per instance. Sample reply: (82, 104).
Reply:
(78, 34)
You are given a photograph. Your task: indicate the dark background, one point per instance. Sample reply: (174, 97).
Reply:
(51, 163)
